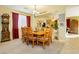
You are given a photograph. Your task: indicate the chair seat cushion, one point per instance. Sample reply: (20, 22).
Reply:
(32, 37)
(46, 38)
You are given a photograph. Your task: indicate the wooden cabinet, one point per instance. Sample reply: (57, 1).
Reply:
(5, 28)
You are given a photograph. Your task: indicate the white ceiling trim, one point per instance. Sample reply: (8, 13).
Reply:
(20, 8)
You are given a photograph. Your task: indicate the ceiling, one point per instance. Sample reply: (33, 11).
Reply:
(40, 8)
(44, 9)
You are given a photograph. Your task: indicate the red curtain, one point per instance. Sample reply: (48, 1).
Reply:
(15, 25)
(28, 21)
(68, 23)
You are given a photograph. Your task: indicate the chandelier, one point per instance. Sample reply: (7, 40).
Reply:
(35, 11)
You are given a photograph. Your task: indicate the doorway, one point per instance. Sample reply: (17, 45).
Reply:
(72, 26)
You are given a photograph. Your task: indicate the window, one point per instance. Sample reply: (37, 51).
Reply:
(22, 21)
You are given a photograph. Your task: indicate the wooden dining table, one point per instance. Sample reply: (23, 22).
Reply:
(38, 33)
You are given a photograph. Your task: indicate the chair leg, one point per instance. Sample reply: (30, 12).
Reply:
(51, 41)
(48, 43)
(43, 45)
(27, 42)
(37, 42)
(32, 43)
(23, 40)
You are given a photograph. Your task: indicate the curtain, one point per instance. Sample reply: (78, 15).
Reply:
(18, 22)
(15, 25)
(68, 23)
(28, 21)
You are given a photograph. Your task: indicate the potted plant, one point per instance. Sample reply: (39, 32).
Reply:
(55, 26)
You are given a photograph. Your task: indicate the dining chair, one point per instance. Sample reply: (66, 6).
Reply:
(25, 35)
(31, 37)
(44, 39)
(50, 33)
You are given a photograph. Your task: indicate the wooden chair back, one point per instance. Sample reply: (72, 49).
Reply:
(30, 32)
(24, 34)
(46, 34)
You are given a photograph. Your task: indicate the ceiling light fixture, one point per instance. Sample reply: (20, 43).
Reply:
(35, 11)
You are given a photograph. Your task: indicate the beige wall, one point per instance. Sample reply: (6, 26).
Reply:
(61, 29)
(35, 20)
(43, 18)
(9, 11)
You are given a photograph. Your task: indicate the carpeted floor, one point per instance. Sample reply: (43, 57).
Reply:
(17, 47)
(71, 46)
